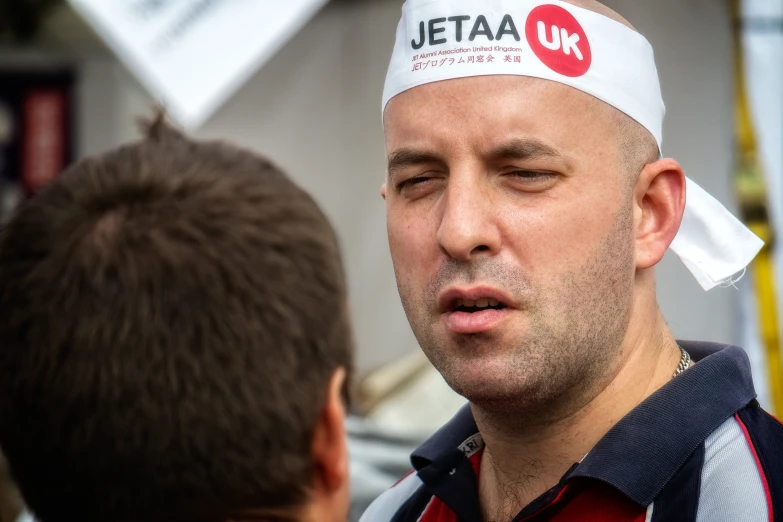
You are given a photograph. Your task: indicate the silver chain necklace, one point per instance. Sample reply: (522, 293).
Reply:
(685, 361)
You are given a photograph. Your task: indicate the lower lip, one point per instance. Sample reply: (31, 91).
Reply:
(476, 322)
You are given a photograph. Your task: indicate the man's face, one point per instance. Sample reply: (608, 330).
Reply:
(511, 231)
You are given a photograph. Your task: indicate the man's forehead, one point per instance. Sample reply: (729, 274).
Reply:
(496, 104)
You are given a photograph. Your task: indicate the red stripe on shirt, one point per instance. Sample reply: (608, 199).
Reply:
(767, 492)
(598, 502)
(437, 511)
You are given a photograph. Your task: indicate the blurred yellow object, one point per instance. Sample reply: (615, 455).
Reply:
(752, 195)
(766, 304)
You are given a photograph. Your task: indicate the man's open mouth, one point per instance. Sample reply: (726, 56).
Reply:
(474, 310)
(471, 306)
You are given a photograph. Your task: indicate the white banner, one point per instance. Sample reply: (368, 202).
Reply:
(192, 55)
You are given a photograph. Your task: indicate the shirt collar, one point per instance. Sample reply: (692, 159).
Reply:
(449, 437)
(645, 448)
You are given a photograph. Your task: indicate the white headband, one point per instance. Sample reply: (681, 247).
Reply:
(447, 39)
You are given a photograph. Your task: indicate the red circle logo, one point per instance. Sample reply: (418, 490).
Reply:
(558, 40)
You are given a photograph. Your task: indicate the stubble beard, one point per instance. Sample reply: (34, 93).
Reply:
(571, 342)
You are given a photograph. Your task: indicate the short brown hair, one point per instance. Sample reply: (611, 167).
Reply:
(171, 314)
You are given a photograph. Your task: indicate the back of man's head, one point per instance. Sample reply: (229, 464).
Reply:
(173, 317)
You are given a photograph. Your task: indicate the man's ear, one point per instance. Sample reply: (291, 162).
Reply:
(659, 202)
(329, 448)
(383, 191)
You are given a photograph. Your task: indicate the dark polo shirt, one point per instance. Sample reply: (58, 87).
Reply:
(698, 449)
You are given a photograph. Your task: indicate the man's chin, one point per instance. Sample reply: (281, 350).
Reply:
(488, 387)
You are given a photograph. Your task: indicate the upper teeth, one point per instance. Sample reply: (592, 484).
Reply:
(481, 303)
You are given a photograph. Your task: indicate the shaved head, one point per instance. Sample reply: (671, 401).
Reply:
(598, 7)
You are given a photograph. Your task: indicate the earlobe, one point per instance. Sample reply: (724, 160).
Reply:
(659, 201)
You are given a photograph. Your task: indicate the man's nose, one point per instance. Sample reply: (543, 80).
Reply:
(468, 227)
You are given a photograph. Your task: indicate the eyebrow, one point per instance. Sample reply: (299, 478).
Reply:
(524, 149)
(515, 149)
(406, 157)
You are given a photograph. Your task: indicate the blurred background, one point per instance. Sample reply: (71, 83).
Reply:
(308, 96)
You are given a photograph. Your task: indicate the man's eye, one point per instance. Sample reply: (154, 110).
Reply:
(533, 175)
(412, 182)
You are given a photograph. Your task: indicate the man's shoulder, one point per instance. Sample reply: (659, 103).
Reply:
(742, 473)
(389, 506)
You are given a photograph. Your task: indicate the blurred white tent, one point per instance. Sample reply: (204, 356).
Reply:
(192, 56)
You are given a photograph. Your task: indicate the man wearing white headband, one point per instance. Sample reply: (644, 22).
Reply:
(527, 205)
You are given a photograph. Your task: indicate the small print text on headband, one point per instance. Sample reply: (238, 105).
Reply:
(553, 34)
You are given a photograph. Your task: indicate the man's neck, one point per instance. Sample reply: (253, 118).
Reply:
(522, 461)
